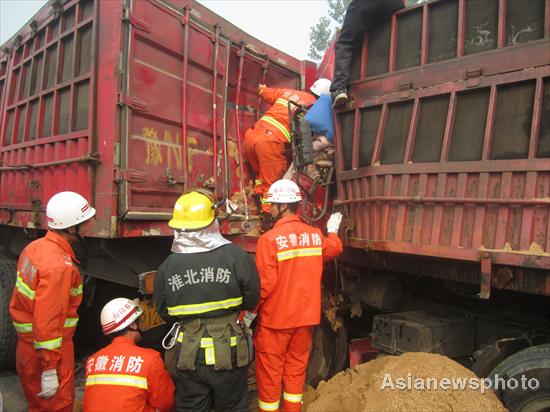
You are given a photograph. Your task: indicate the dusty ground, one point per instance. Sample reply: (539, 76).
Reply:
(14, 400)
(354, 390)
(359, 388)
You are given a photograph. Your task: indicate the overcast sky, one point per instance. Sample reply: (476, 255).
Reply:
(283, 24)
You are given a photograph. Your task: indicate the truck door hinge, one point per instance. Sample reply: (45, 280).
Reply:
(136, 22)
(129, 175)
(405, 90)
(473, 77)
(132, 102)
(485, 277)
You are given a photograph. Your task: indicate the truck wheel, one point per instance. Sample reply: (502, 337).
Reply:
(8, 339)
(527, 365)
(329, 352)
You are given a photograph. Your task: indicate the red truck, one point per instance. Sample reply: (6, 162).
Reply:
(443, 171)
(443, 166)
(128, 103)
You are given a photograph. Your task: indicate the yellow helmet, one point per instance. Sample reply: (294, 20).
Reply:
(192, 211)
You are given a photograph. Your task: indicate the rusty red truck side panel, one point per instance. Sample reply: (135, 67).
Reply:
(130, 103)
(444, 150)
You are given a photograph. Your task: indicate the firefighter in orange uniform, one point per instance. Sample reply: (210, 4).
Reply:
(266, 144)
(290, 259)
(44, 304)
(123, 376)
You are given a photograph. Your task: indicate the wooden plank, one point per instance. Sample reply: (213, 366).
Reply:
(503, 211)
(401, 209)
(535, 124)
(527, 232)
(420, 210)
(458, 213)
(481, 210)
(438, 209)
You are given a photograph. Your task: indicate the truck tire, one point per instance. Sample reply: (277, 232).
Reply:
(532, 363)
(329, 352)
(8, 338)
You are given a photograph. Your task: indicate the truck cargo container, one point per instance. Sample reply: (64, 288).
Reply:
(443, 165)
(129, 103)
(443, 171)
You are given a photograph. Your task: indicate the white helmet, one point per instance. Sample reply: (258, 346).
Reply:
(284, 191)
(320, 86)
(66, 209)
(118, 314)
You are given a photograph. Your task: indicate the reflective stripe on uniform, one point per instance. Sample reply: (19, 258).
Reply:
(70, 322)
(27, 327)
(24, 289)
(196, 308)
(258, 182)
(294, 253)
(268, 406)
(120, 380)
(22, 327)
(209, 356)
(278, 125)
(209, 351)
(76, 291)
(292, 397)
(285, 103)
(208, 345)
(207, 342)
(48, 344)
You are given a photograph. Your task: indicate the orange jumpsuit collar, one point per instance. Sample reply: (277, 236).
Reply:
(62, 242)
(124, 340)
(287, 219)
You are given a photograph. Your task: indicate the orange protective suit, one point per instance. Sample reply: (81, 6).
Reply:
(265, 144)
(290, 263)
(43, 308)
(125, 377)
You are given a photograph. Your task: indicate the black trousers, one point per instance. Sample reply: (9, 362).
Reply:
(206, 389)
(361, 15)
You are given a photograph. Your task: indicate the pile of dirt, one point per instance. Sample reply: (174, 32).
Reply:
(410, 382)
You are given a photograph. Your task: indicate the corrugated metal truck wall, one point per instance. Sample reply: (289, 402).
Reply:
(445, 150)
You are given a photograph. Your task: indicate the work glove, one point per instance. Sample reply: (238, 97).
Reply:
(248, 318)
(333, 223)
(49, 383)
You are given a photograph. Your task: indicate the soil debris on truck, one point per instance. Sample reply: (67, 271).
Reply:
(410, 382)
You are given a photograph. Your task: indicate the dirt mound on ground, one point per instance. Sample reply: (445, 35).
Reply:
(410, 382)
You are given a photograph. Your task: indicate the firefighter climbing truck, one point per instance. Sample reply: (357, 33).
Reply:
(95, 97)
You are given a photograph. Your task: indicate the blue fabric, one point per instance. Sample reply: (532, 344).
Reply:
(320, 117)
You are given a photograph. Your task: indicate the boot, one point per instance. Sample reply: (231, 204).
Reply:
(339, 98)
